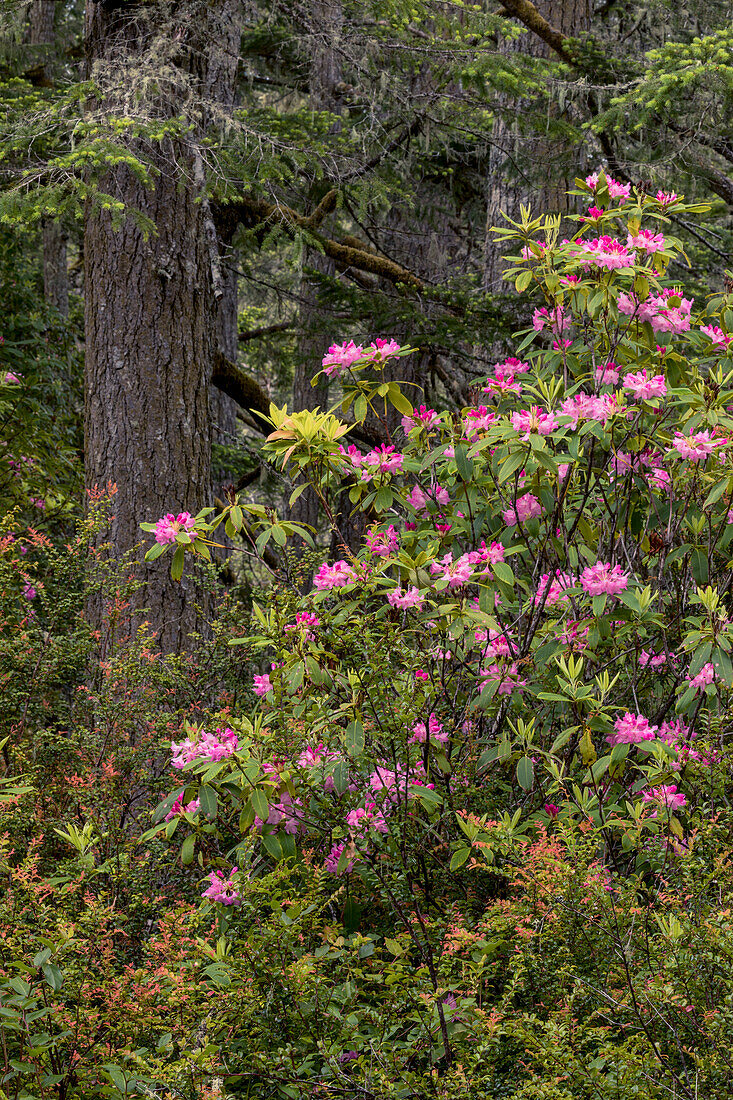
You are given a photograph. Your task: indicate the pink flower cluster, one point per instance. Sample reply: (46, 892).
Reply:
(644, 387)
(668, 796)
(262, 684)
(719, 338)
(524, 508)
(604, 252)
(340, 357)
(476, 421)
(697, 446)
(632, 729)
(503, 378)
(421, 418)
(556, 588)
(705, 676)
(223, 890)
(207, 746)
(604, 579)
(646, 240)
(557, 319)
(337, 575)
(432, 730)
(588, 406)
(506, 676)
(667, 311)
(533, 419)
(178, 809)
(411, 597)
(616, 190)
(382, 543)
(169, 526)
(420, 500)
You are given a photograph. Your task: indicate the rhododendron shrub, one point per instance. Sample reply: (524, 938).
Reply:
(504, 717)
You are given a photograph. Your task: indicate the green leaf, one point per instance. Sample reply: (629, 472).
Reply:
(459, 858)
(52, 976)
(271, 844)
(398, 399)
(503, 572)
(177, 564)
(464, 464)
(209, 801)
(260, 805)
(522, 281)
(525, 773)
(187, 849)
(155, 552)
(716, 492)
(354, 738)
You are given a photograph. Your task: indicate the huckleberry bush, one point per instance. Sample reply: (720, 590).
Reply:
(489, 763)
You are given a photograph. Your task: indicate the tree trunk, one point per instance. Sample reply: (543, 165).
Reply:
(151, 324)
(42, 39)
(527, 168)
(326, 21)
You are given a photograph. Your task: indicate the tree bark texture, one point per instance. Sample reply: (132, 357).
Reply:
(151, 332)
(42, 40)
(524, 168)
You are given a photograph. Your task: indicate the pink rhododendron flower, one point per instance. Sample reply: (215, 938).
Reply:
(667, 796)
(503, 378)
(29, 592)
(340, 357)
(644, 387)
(505, 675)
(262, 684)
(178, 809)
(11, 379)
(382, 543)
(615, 189)
(382, 460)
(207, 746)
(419, 499)
(697, 446)
(432, 731)
(557, 319)
(608, 375)
(588, 406)
(556, 588)
(603, 578)
(705, 676)
(333, 858)
(526, 507)
(422, 417)
(477, 420)
(534, 419)
(410, 598)
(646, 240)
(604, 252)
(337, 575)
(718, 337)
(632, 729)
(666, 198)
(667, 311)
(223, 890)
(458, 572)
(551, 809)
(169, 526)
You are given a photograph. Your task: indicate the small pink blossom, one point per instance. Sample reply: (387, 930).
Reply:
(644, 387)
(457, 572)
(422, 417)
(337, 575)
(382, 543)
(716, 334)
(534, 419)
(557, 319)
(29, 592)
(178, 809)
(11, 379)
(666, 198)
(262, 684)
(340, 357)
(667, 796)
(608, 375)
(505, 675)
(207, 746)
(526, 507)
(223, 890)
(432, 731)
(696, 446)
(646, 240)
(169, 526)
(632, 729)
(382, 460)
(410, 598)
(420, 499)
(603, 578)
(705, 676)
(604, 252)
